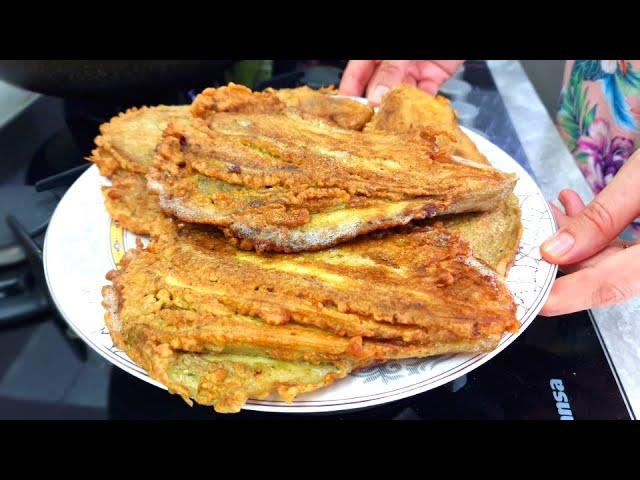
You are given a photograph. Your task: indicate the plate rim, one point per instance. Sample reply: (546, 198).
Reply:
(474, 361)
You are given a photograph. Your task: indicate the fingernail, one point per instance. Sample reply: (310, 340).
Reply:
(559, 244)
(378, 93)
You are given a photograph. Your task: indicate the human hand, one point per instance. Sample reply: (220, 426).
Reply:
(377, 77)
(602, 270)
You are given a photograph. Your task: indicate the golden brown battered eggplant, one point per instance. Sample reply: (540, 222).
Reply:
(130, 203)
(309, 103)
(405, 107)
(278, 182)
(494, 236)
(129, 140)
(220, 325)
(124, 150)
(343, 112)
(205, 318)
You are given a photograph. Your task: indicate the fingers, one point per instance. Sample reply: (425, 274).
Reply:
(410, 80)
(561, 221)
(561, 218)
(449, 66)
(429, 86)
(356, 77)
(388, 74)
(571, 202)
(614, 279)
(378, 77)
(613, 247)
(434, 73)
(594, 261)
(600, 221)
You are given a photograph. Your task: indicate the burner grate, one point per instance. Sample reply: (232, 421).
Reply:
(24, 294)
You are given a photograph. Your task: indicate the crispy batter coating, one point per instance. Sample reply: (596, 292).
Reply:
(303, 101)
(343, 112)
(130, 203)
(124, 152)
(280, 170)
(494, 236)
(235, 98)
(204, 318)
(126, 146)
(405, 107)
(128, 140)
(276, 182)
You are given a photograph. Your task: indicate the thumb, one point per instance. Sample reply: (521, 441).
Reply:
(388, 74)
(614, 279)
(599, 222)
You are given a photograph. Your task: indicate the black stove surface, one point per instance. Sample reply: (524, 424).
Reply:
(557, 369)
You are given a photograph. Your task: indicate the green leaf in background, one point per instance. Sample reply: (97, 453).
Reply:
(574, 116)
(572, 132)
(249, 72)
(566, 118)
(588, 120)
(581, 99)
(581, 107)
(582, 157)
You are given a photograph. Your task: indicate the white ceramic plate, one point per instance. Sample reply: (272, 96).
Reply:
(83, 244)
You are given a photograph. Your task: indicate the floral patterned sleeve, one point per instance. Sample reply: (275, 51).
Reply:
(599, 118)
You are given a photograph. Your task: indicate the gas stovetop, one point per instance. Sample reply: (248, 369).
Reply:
(557, 369)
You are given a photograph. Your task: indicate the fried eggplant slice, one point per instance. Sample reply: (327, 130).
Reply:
(127, 143)
(235, 98)
(130, 203)
(405, 107)
(495, 235)
(275, 182)
(129, 140)
(206, 319)
(343, 112)
(303, 101)
(124, 152)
